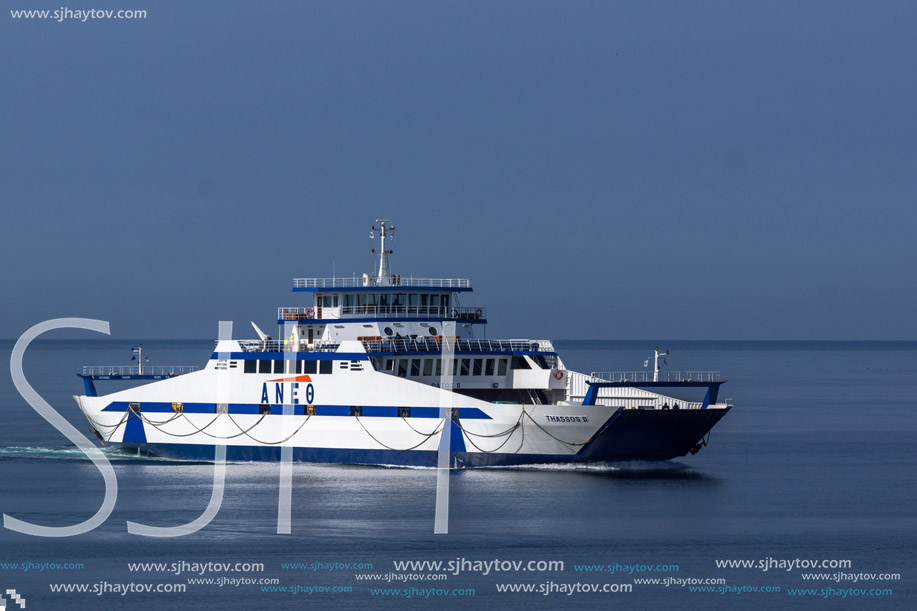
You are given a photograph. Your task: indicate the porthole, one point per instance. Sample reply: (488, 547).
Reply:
(433, 331)
(388, 331)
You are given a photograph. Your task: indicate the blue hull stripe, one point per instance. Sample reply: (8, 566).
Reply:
(369, 411)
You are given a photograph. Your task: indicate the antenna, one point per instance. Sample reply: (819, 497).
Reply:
(386, 230)
(139, 357)
(656, 363)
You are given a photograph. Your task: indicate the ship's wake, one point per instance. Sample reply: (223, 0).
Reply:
(70, 453)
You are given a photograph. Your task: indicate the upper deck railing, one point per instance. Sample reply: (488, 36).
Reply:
(435, 344)
(647, 376)
(276, 345)
(405, 344)
(134, 370)
(376, 281)
(382, 311)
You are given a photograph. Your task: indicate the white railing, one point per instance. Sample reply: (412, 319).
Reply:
(404, 344)
(275, 345)
(647, 376)
(134, 370)
(380, 311)
(435, 344)
(402, 281)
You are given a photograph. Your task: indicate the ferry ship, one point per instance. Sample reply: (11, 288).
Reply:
(393, 370)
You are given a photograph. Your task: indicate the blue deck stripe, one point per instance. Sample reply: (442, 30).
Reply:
(369, 411)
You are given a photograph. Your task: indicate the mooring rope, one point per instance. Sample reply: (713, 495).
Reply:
(426, 438)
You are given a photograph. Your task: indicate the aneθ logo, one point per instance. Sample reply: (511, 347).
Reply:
(14, 596)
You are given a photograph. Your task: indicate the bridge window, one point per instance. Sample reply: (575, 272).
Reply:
(489, 367)
(402, 368)
(466, 367)
(325, 366)
(413, 299)
(428, 367)
(519, 362)
(501, 367)
(251, 366)
(477, 366)
(415, 367)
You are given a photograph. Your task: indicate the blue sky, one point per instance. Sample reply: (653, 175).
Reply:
(679, 170)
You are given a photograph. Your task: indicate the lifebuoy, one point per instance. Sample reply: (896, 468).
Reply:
(479, 312)
(558, 375)
(310, 313)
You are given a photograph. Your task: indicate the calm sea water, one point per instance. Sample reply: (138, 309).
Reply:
(815, 462)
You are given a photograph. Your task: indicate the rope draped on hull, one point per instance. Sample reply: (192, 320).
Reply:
(133, 412)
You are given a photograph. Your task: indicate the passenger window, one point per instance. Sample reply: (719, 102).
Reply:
(325, 366)
(251, 366)
(310, 366)
(466, 367)
(477, 366)
(501, 367)
(415, 367)
(519, 362)
(489, 367)
(278, 366)
(402, 368)
(264, 367)
(428, 367)
(439, 367)
(390, 364)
